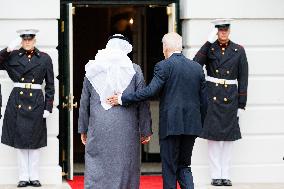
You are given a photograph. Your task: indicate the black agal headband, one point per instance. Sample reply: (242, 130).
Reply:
(119, 37)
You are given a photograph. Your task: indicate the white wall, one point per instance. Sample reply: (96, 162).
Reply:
(259, 27)
(40, 14)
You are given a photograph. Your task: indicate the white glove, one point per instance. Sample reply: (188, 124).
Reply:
(240, 112)
(15, 44)
(46, 114)
(212, 35)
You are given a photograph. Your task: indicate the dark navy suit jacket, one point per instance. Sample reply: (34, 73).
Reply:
(181, 86)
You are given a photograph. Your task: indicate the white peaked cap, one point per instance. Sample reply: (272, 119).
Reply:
(222, 22)
(27, 32)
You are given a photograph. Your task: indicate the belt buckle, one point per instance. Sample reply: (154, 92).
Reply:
(222, 81)
(28, 85)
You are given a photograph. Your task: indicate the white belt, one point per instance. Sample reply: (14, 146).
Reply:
(222, 81)
(27, 85)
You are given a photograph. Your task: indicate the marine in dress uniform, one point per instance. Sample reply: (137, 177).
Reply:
(24, 124)
(227, 81)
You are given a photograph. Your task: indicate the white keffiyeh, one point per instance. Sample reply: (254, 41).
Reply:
(112, 70)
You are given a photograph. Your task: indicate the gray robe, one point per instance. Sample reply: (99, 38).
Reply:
(112, 152)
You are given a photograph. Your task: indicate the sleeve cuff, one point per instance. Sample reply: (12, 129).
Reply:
(119, 99)
(148, 134)
(5, 52)
(82, 131)
(242, 106)
(48, 108)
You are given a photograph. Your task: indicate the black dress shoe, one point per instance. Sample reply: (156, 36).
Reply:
(217, 182)
(226, 182)
(23, 184)
(35, 183)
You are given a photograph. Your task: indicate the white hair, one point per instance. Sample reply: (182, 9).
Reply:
(172, 41)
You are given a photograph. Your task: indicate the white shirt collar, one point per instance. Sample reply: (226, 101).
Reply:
(177, 52)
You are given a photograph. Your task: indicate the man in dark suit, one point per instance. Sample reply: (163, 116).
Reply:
(180, 83)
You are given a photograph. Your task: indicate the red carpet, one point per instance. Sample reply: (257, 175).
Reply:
(147, 182)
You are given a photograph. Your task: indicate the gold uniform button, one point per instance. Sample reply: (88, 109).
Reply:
(212, 49)
(223, 53)
(214, 98)
(217, 71)
(23, 79)
(30, 107)
(29, 56)
(228, 72)
(223, 49)
(216, 84)
(19, 106)
(225, 86)
(33, 81)
(225, 99)
(31, 94)
(21, 93)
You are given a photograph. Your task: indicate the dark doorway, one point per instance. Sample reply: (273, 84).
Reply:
(144, 26)
(91, 31)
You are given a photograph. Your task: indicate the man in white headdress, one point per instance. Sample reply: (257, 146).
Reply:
(112, 135)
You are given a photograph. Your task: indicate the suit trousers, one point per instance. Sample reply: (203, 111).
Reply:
(220, 153)
(176, 152)
(28, 162)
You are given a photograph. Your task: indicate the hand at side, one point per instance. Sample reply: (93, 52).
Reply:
(84, 138)
(145, 140)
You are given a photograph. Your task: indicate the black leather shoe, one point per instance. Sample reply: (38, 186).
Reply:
(35, 183)
(23, 184)
(226, 182)
(217, 182)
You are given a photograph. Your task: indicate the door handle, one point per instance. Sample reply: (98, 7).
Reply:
(70, 105)
(75, 105)
(64, 105)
